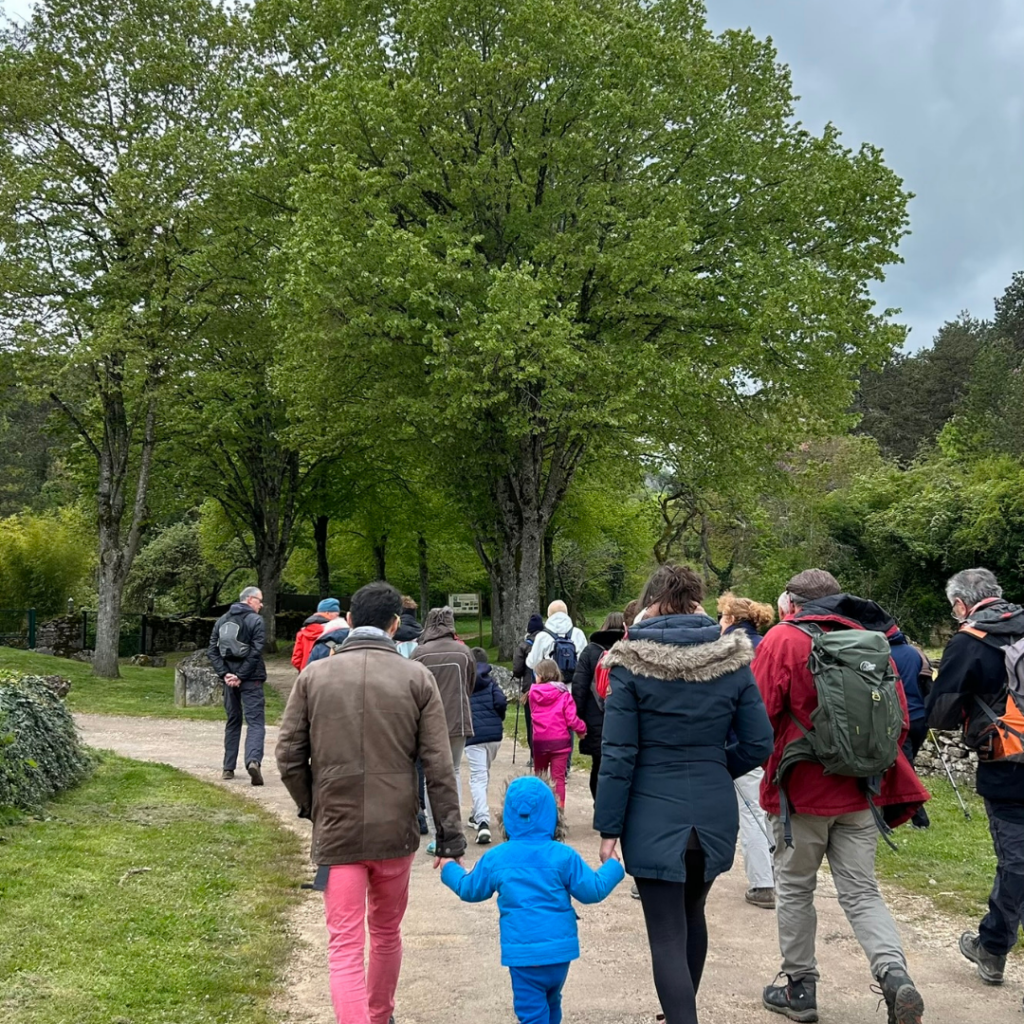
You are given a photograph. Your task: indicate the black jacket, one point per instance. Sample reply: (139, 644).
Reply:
(488, 704)
(587, 706)
(972, 668)
(251, 632)
(410, 629)
(519, 669)
(679, 689)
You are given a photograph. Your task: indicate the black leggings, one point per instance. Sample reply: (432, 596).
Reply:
(678, 936)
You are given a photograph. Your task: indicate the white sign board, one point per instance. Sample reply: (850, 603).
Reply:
(464, 604)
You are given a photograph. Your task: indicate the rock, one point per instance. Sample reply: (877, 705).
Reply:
(503, 677)
(195, 682)
(48, 651)
(149, 661)
(82, 656)
(187, 645)
(58, 684)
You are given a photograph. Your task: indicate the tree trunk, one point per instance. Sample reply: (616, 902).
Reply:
(422, 551)
(323, 568)
(269, 582)
(108, 611)
(380, 556)
(550, 583)
(518, 583)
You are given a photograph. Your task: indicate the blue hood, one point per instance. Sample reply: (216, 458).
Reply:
(676, 629)
(530, 809)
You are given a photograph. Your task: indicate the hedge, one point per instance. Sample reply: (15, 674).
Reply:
(40, 753)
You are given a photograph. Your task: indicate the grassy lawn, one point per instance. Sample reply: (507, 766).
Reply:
(139, 691)
(145, 897)
(952, 862)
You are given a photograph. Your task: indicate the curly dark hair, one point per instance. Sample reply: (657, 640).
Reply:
(675, 589)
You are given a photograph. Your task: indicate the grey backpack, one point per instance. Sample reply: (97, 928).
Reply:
(227, 640)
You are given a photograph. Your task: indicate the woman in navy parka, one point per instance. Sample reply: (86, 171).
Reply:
(678, 689)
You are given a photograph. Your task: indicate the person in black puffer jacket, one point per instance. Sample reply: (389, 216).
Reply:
(588, 707)
(488, 705)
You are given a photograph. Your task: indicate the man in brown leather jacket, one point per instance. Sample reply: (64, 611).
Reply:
(353, 728)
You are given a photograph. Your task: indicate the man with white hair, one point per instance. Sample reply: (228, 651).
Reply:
(559, 640)
(972, 693)
(236, 654)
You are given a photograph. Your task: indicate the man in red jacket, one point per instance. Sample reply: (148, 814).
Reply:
(830, 814)
(329, 608)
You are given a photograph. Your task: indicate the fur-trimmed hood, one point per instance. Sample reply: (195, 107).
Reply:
(692, 663)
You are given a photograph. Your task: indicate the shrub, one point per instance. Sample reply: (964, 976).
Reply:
(40, 753)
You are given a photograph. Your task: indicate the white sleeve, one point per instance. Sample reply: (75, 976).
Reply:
(579, 638)
(540, 650)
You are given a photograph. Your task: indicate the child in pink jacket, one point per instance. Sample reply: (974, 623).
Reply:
(554, 721)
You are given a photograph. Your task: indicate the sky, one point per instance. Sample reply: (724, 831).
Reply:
(939, 86)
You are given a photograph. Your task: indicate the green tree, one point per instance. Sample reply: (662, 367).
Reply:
(555, 227)
(112, 130)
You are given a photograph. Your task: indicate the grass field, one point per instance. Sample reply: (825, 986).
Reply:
(140, 691)
(953, 861)
(147, 897)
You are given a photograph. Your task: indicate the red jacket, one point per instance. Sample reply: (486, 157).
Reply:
(305, 638)
(787, 688)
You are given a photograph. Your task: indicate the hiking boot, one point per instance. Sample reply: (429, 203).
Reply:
(421, 820)
(529, 764)
(763, 898)
(797, 999)
(990, 966)
(483, 834)
(228, 773)
(634, 891)
(253, 768)
(902, 999)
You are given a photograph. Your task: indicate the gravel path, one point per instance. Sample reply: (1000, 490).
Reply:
(452, 973)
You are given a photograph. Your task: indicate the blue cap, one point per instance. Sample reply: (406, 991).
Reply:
(329, 604)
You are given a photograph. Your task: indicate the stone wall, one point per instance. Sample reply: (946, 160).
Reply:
(61, 636)
(963, 763)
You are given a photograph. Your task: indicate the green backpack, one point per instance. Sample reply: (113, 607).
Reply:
(857, 724)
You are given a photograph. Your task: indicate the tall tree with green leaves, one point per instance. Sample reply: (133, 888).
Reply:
(112, 129)
(555, 227)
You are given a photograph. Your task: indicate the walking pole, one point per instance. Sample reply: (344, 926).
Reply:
(755, 816)
(949, 774)
(515, 739)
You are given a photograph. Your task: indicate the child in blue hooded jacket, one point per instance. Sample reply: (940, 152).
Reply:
(534, 877)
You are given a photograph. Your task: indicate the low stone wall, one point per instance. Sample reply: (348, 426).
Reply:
(61, 636)
(963, 763)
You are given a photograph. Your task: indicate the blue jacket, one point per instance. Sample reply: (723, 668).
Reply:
(908, 663)
(488, 704)
(745, 627)
(679, 691)
(534, 877)
(325, 644)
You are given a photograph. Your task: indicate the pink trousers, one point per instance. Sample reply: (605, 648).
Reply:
(555, 764)
(373, 892)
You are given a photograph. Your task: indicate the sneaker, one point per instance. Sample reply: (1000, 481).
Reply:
(902, 999)
(421, 820)
(634, 891)
(529, 764)
(763, 898)
(432, 848)
(990, 966)
(483, 834)
(253, 768)
(472, 822)
(797, 999)
(228, 773)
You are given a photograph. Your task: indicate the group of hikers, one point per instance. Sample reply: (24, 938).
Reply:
(799, 739)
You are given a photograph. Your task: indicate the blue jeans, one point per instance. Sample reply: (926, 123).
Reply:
(246, 699)
(537, 993)
(999, 927)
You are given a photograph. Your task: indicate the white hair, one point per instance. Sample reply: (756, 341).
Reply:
(972, 586)
(249, 592)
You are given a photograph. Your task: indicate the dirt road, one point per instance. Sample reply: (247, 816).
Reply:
(452, 973)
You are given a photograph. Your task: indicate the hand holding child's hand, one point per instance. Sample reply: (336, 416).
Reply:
(439, 862)
(608, 849)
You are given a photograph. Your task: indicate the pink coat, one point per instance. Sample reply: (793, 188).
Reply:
(554, 714)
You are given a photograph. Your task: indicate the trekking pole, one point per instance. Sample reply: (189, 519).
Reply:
(757, 817)
(515, 739)
(949, 774)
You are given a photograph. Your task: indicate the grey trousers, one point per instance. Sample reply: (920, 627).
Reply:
(849, 842)
(246, 699)
(458, 744)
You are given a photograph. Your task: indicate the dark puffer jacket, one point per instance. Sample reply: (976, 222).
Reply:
(587, 705)
(677, 689)
(252, 633)
(488, 704)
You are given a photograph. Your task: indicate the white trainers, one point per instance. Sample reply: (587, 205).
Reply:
(483, 834)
